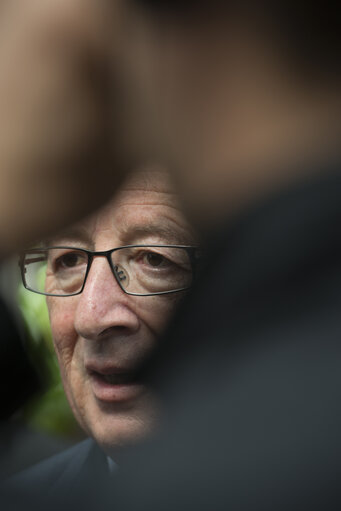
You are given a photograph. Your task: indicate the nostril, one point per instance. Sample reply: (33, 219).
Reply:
(104, 310)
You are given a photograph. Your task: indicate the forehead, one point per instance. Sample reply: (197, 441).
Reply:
(145, 207)
(143, 191)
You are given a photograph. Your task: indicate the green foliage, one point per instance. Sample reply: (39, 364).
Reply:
(49, 411)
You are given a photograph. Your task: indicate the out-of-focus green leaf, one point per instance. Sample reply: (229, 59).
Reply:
(49, 411)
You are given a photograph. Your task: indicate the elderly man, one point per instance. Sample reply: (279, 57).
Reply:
(112, 283)
(244, 103)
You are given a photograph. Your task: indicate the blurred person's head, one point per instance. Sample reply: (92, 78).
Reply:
(102, 332)
(241, 96)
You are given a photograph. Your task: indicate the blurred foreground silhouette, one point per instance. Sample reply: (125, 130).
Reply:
(241, 101)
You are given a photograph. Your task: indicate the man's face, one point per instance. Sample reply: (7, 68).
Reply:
(104, 332)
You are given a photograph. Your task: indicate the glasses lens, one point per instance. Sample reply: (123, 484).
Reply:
(149, 270)
(56, 271)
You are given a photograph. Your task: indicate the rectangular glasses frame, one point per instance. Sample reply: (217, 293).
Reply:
(192, 252)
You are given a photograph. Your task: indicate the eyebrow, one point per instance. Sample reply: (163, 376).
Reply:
(128, 235)
(73, 234)
(168, 234)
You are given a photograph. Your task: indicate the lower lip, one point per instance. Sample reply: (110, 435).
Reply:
(109, 393)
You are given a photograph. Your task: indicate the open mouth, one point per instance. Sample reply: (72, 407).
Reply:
(114, 384)
(115, 378)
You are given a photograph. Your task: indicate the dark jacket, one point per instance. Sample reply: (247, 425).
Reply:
(66, 473)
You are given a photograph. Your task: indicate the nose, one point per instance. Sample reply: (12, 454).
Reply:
(103, 309)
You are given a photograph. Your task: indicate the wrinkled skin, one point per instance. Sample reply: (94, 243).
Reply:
(105, 328)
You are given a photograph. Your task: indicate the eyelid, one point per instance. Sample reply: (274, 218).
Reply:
(166, 253)
(59, 253)
(149, 249)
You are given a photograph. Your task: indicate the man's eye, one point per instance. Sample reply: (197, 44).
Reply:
(155, 260)
(68, 260)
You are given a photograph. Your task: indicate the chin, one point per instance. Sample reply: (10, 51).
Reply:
(117, 432)
(124, 434)
(114, 426)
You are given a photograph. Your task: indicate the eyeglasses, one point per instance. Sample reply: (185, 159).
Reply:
(139, 270)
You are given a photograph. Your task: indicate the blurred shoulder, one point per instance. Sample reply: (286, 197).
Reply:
(54, 471)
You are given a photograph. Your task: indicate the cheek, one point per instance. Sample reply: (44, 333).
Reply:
(63, 331)
(157, 311)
